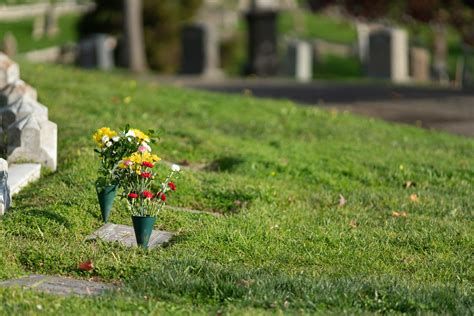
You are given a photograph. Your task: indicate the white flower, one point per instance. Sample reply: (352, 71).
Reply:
(130, 133)
(105, 139)
(116, 138)
(175, 168)
(108, 144)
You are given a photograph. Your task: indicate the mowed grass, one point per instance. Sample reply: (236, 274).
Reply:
(276, 170)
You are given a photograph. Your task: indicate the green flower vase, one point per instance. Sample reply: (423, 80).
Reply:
(106, 198)
(143, 226)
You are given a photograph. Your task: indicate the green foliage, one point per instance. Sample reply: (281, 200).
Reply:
(276, 171)
(22, 30)
(162, 27)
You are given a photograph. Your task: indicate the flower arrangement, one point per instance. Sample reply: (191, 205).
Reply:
(136, 174)
(112, 146)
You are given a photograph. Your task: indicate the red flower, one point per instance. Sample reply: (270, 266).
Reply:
(161, 196)
(147, 194)
(145, 174)
(172, 186)
(147, 164)
(132, 195)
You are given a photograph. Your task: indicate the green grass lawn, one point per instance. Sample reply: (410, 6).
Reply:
(22, 31)
(288, 247)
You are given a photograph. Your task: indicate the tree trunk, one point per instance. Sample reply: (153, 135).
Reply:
(440, 52)
(134, 42)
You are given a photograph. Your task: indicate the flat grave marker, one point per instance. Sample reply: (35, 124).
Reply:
(126, 236)
(59, 285)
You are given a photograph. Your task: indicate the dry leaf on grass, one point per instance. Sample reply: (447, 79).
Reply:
(414, 197)
(342, 200)
(86, 265)
(353, 224)
(399, 214)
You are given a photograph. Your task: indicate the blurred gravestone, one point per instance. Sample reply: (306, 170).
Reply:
(420, 64)
(9, 44)
(97, 51)
(468, 68)
(38, 27)
(299, 60)
(363, 31)
(262, 42)
(51, 22)
(199, 50)
(388, 55)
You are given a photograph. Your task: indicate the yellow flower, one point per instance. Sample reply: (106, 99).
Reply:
(140, 135)
(101, 132)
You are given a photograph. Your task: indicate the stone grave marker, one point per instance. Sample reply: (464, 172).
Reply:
(9, 71)
(26, 134)
(420, 64)
(467, 67)
(51, 22)
(97, 51)
(299, 60)
(262, 57)
(9, 44)
(59, 285)
(38, 27)
(388, 54)
(200, 50)
(4, 187)
(125, 235)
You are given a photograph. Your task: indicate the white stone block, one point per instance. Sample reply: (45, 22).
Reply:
(22, 174)
(9, 71)
(21, 108)
(14, 91)
(33, 140)
(300, 60)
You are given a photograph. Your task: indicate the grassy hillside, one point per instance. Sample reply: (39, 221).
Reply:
(277, 171)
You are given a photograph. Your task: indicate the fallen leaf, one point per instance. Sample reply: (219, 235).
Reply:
(86, 265)
(286, 304)
(409, 184)
(353, 224)
(399, 214)
(414, 197)
(342, 200)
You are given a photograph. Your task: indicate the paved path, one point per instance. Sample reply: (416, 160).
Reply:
(446, 109)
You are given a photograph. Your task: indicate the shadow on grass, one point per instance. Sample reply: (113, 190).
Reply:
(224, 164)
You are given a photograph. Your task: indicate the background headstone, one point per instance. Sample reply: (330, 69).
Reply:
(419, 64)
(97, 51)
(388, 54)
(468, 68)
(51, 22)
(262, 54)
(200, 50)
(299, 60)
(38, 27)
(9, 44)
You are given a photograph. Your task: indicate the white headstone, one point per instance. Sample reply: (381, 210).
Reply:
(300, 60)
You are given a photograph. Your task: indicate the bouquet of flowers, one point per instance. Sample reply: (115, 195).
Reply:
(112, 146)
(136, 174)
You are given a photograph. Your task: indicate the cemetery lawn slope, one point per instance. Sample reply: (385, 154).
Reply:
(277, 172)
